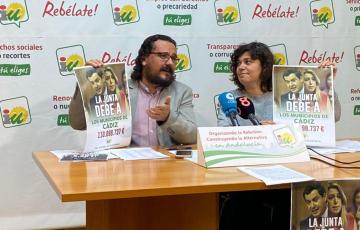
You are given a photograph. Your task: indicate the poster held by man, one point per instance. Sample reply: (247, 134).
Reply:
(106, 104)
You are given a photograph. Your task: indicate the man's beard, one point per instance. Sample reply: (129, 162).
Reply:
(160, 81)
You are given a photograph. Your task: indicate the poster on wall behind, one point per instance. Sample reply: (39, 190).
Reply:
(304, 95)
(325, 205)
(106, 103)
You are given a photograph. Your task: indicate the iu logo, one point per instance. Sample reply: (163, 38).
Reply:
(70, 57)
(280, 55)
(357, 57)
(227, 12)
(125, 11)
(322, 13)
(15, 112)
(13, 12)
(184, 63)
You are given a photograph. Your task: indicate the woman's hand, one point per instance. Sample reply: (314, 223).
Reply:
(328, 64)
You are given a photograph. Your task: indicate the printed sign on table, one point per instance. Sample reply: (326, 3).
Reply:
(106, 103)
(250, 145)
(304, 96)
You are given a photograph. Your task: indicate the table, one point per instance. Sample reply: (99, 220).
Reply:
(159, 194)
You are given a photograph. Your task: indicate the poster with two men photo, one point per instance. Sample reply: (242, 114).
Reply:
(326, 205)
(106, 104)
(304, 96)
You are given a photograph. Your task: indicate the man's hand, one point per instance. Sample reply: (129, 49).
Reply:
(328, 64)
(94, 63)
(160, 112)
(267, 122)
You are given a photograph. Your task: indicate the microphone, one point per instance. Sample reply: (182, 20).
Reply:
(246, 110)
(228, 106)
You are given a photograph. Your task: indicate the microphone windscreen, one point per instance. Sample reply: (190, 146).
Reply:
(227, 103)
(245, 107)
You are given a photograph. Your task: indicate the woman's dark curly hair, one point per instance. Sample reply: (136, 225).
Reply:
(257, 51)
(144, 51)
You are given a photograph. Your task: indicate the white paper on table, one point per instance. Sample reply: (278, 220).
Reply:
(276, 174)
(137, 153)
(60, 153)
(342, 146)
(74, 155)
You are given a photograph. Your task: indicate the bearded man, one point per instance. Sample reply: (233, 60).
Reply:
(161, 107)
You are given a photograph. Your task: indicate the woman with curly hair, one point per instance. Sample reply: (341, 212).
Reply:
(251, 67)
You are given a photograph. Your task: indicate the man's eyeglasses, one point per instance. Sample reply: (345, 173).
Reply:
(165, 56)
